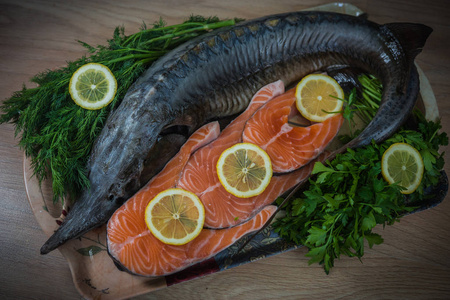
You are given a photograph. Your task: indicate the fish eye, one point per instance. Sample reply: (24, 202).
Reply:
(117, 200)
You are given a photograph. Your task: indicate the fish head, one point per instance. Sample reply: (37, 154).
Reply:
(134, 145)
(81, 219)
(93, 208)
(114, 170)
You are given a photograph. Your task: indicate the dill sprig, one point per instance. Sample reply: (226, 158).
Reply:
(55, 133)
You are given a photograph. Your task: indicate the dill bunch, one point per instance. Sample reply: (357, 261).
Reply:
(55, 133)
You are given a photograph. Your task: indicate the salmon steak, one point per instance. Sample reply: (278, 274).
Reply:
(227, 217)
(291, 147)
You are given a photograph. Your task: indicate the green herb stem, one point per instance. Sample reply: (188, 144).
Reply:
(131, 57)
(176, 34)
(132, 39)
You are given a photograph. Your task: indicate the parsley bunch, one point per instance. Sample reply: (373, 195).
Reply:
(342, 204)
(56, 134)
(335, 212)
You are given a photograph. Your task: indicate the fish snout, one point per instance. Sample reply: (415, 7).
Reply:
(83, 217)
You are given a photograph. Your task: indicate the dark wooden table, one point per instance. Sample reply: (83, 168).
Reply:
(412, 263)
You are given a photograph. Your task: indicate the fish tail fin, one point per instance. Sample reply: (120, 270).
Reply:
(411, 36)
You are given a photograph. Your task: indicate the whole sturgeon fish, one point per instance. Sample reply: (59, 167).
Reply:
(216, 75)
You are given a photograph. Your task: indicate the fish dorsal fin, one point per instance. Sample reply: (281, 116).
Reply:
(411, 36)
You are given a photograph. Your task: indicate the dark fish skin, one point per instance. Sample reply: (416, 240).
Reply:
(216, 75)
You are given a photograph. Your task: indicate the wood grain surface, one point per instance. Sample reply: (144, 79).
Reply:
(412, 263)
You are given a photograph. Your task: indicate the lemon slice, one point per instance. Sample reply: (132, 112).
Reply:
(93, 86)
(315, 97)
(244, 170)
(402, 164)
(175, 216)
